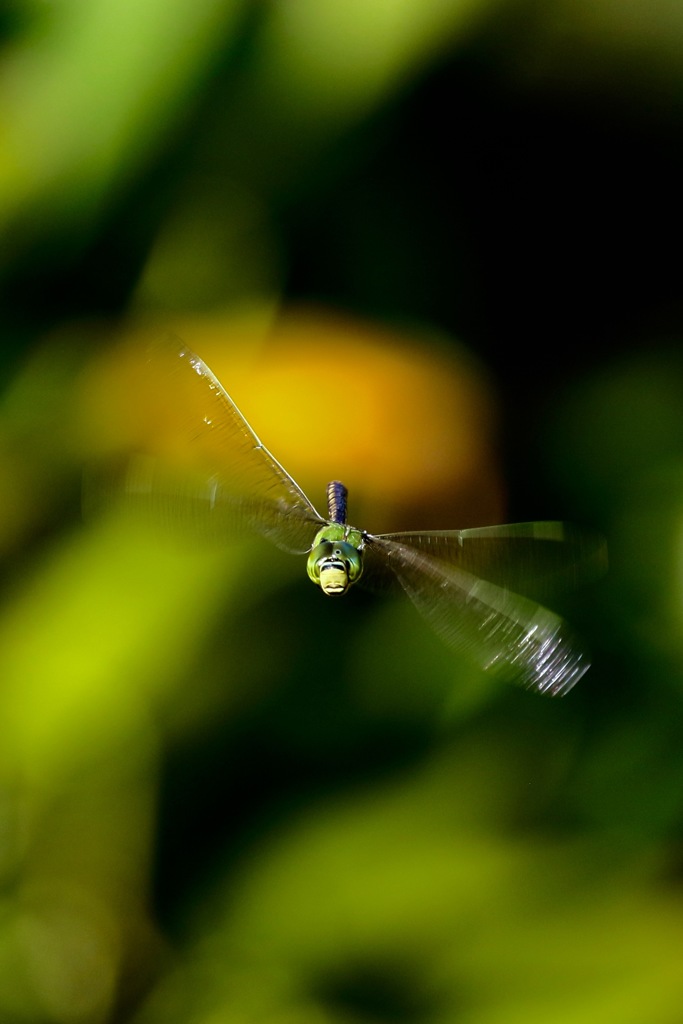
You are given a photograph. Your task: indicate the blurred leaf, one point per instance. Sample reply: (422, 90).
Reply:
(90, 90)
(337, 57)
(396, 884)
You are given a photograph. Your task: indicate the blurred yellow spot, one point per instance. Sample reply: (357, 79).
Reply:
(402, 421)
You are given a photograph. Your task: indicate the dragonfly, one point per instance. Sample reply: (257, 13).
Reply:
(468, 584)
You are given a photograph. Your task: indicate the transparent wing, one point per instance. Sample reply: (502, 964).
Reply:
(210, 473)
(497, 628)
(536, 559)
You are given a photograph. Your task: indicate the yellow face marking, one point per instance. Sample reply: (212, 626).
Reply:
(334, 579)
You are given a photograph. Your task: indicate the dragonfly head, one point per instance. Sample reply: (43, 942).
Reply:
(334, 565)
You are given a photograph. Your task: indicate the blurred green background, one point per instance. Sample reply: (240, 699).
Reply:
(222, 797)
